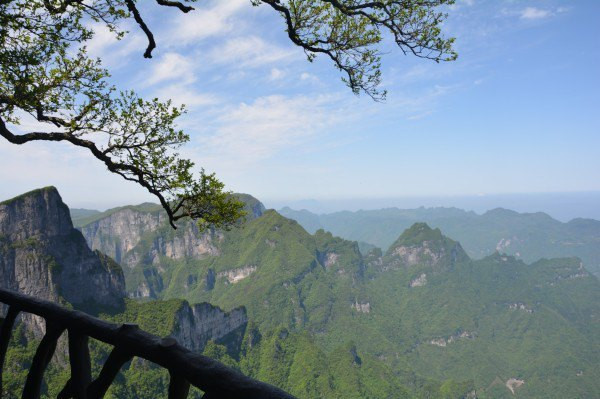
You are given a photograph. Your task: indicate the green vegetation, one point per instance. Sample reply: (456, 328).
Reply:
(441, 316)
(27, 194)
(157, 317)
(422, 320)
(530, 236)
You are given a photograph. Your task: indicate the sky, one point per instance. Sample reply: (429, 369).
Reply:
(517, 113)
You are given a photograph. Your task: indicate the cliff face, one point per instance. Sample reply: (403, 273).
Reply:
(141, 236)
(42, 255)
(198, 324)
(422, 245)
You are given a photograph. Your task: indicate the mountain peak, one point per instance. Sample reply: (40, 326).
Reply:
(417, 234)
(37, 212)
(422, 245)
(43, 255)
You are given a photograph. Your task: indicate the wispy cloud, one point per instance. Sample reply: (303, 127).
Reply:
(172, 66)
(535, 13)
(214, 20)
(276, 74)
(251, 51)
(105, 45)
(181, 94)
(254, 131)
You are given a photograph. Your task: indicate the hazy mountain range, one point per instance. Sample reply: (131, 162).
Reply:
(322, 319)
(527, 236)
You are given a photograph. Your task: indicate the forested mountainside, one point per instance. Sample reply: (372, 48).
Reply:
(527, 236)
(39, 246)
(423, 308)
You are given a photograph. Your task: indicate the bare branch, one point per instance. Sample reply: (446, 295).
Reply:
(138, 18)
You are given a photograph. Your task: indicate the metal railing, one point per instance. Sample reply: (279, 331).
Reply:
(185, 367)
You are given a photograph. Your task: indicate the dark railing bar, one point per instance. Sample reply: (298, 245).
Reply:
(201, 371)
(117, 358)
(67, 392)
(178, 387)
(41, 359)
(5, 334)
(79, 357)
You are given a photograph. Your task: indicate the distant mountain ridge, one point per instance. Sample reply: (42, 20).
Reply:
(422, 309)
(528, 236)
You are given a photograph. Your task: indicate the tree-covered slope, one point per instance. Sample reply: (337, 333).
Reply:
(529, 236)
(422, 306)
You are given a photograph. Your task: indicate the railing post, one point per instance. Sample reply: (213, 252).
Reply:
(117, 358)
(179, 387)
(79, 357)
(5, 334)
(41, 359)
(186, 367)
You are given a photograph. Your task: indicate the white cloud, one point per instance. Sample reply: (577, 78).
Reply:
(418, 105)
(276, 74)
(105, 45)
(181, 94)
(251, 51)
(255, 131)
(204, 22)
(172, 66)
(535, 13)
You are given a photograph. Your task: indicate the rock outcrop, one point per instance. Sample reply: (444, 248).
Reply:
(141, 235)
(42, 255)
(197, 324)
(424, 246)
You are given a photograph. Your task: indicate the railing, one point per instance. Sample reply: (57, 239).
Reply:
(185, 367)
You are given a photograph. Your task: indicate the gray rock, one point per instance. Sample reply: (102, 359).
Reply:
(42, 255)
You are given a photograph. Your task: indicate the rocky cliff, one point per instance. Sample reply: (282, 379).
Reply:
(422, 245)
(197, 324)
(42, 255)
(141, 235)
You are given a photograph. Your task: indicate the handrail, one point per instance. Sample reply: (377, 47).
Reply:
(185, 367)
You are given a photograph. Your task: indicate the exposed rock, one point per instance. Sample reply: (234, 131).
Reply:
(419, 281)
(198, 324)
(421, 245)
(211, 279)
(362, 307)
(119, 233)
(331, 259)
(327, 259)
(453, 338)
(514, 383)
(42, 255)
(236, 275)
(138, 236)
(520, 306)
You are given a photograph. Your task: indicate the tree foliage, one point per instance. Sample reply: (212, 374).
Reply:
(46, 72)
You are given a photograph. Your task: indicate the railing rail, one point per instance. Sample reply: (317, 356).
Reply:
(185, 367)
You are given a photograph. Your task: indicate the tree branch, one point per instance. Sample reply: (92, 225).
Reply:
(138, 18)
(118, 168)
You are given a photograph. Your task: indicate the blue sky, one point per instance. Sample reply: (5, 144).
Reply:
(518, 112)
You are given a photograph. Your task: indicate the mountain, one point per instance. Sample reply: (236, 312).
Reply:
(41, 254)
(79, 214)
(527, 236)
(422, 311)
(40, 246)
(142, 241)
